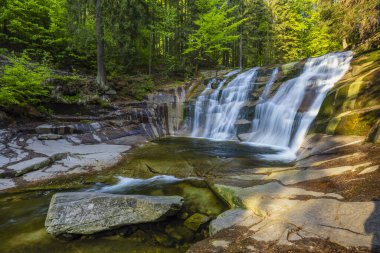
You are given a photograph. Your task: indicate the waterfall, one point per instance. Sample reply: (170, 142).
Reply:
(280, 121)
(199, 106)
(218, 110)
(268, 86)
(180, 98)
(284, 119)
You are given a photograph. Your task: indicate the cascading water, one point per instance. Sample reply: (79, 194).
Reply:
(269, 85)
(281, 121)
(284, 119)
(199, 105)
(205, 99)
(219, 114)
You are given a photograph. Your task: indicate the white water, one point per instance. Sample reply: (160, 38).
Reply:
(180, 98)
(269, 85)
(126, 183)
(215, 116)
(279, 120)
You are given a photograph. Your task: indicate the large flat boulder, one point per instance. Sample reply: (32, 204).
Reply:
(84, 213)
(234, 217)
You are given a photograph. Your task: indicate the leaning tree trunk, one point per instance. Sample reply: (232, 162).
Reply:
(101, 75)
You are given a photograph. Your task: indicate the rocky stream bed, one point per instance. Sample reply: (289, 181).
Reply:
(116, 181)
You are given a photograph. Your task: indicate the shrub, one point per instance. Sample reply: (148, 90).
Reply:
(22, 82)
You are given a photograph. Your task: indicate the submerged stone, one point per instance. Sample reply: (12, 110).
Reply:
(179, 233)
(196, 220)
(87, 213)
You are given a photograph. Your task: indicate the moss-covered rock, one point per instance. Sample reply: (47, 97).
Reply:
(195, 221)
(352, 107)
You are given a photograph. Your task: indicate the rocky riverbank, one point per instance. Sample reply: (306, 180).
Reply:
(328, 200)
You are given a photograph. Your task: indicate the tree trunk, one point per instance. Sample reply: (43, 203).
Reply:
(241, 49)
(101, 75)
(241, 39)
(150, 52)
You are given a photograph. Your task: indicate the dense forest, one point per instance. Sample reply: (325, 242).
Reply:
(171, 38)
(197, 126)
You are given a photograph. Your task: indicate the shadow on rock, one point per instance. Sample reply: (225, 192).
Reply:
(372, 226)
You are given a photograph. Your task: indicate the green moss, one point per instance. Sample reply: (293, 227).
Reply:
(328, 107)
(332, 125)
(368, 57)
(357, 124)
(75, 99)
(227, 193)
(358, 89)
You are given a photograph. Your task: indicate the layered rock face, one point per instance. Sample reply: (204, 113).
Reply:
(77, 144)
(84, 213)
(352, 107)
(161, 114)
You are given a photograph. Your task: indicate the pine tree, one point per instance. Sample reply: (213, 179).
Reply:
(215, 29)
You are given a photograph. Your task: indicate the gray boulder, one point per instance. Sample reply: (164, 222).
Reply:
(84, 213)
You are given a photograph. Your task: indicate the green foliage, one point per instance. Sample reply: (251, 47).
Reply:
(71, 99)
(136, 87)
(257, 32)
(22, 82)
(170, 37)
(352, 22)
(36, 25)
(215, 30)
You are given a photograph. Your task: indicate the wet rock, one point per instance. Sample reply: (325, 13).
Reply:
(195, 221)
(243, 126)
(68, 129)
(88, 213)
(44, 137)
(51, 129)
